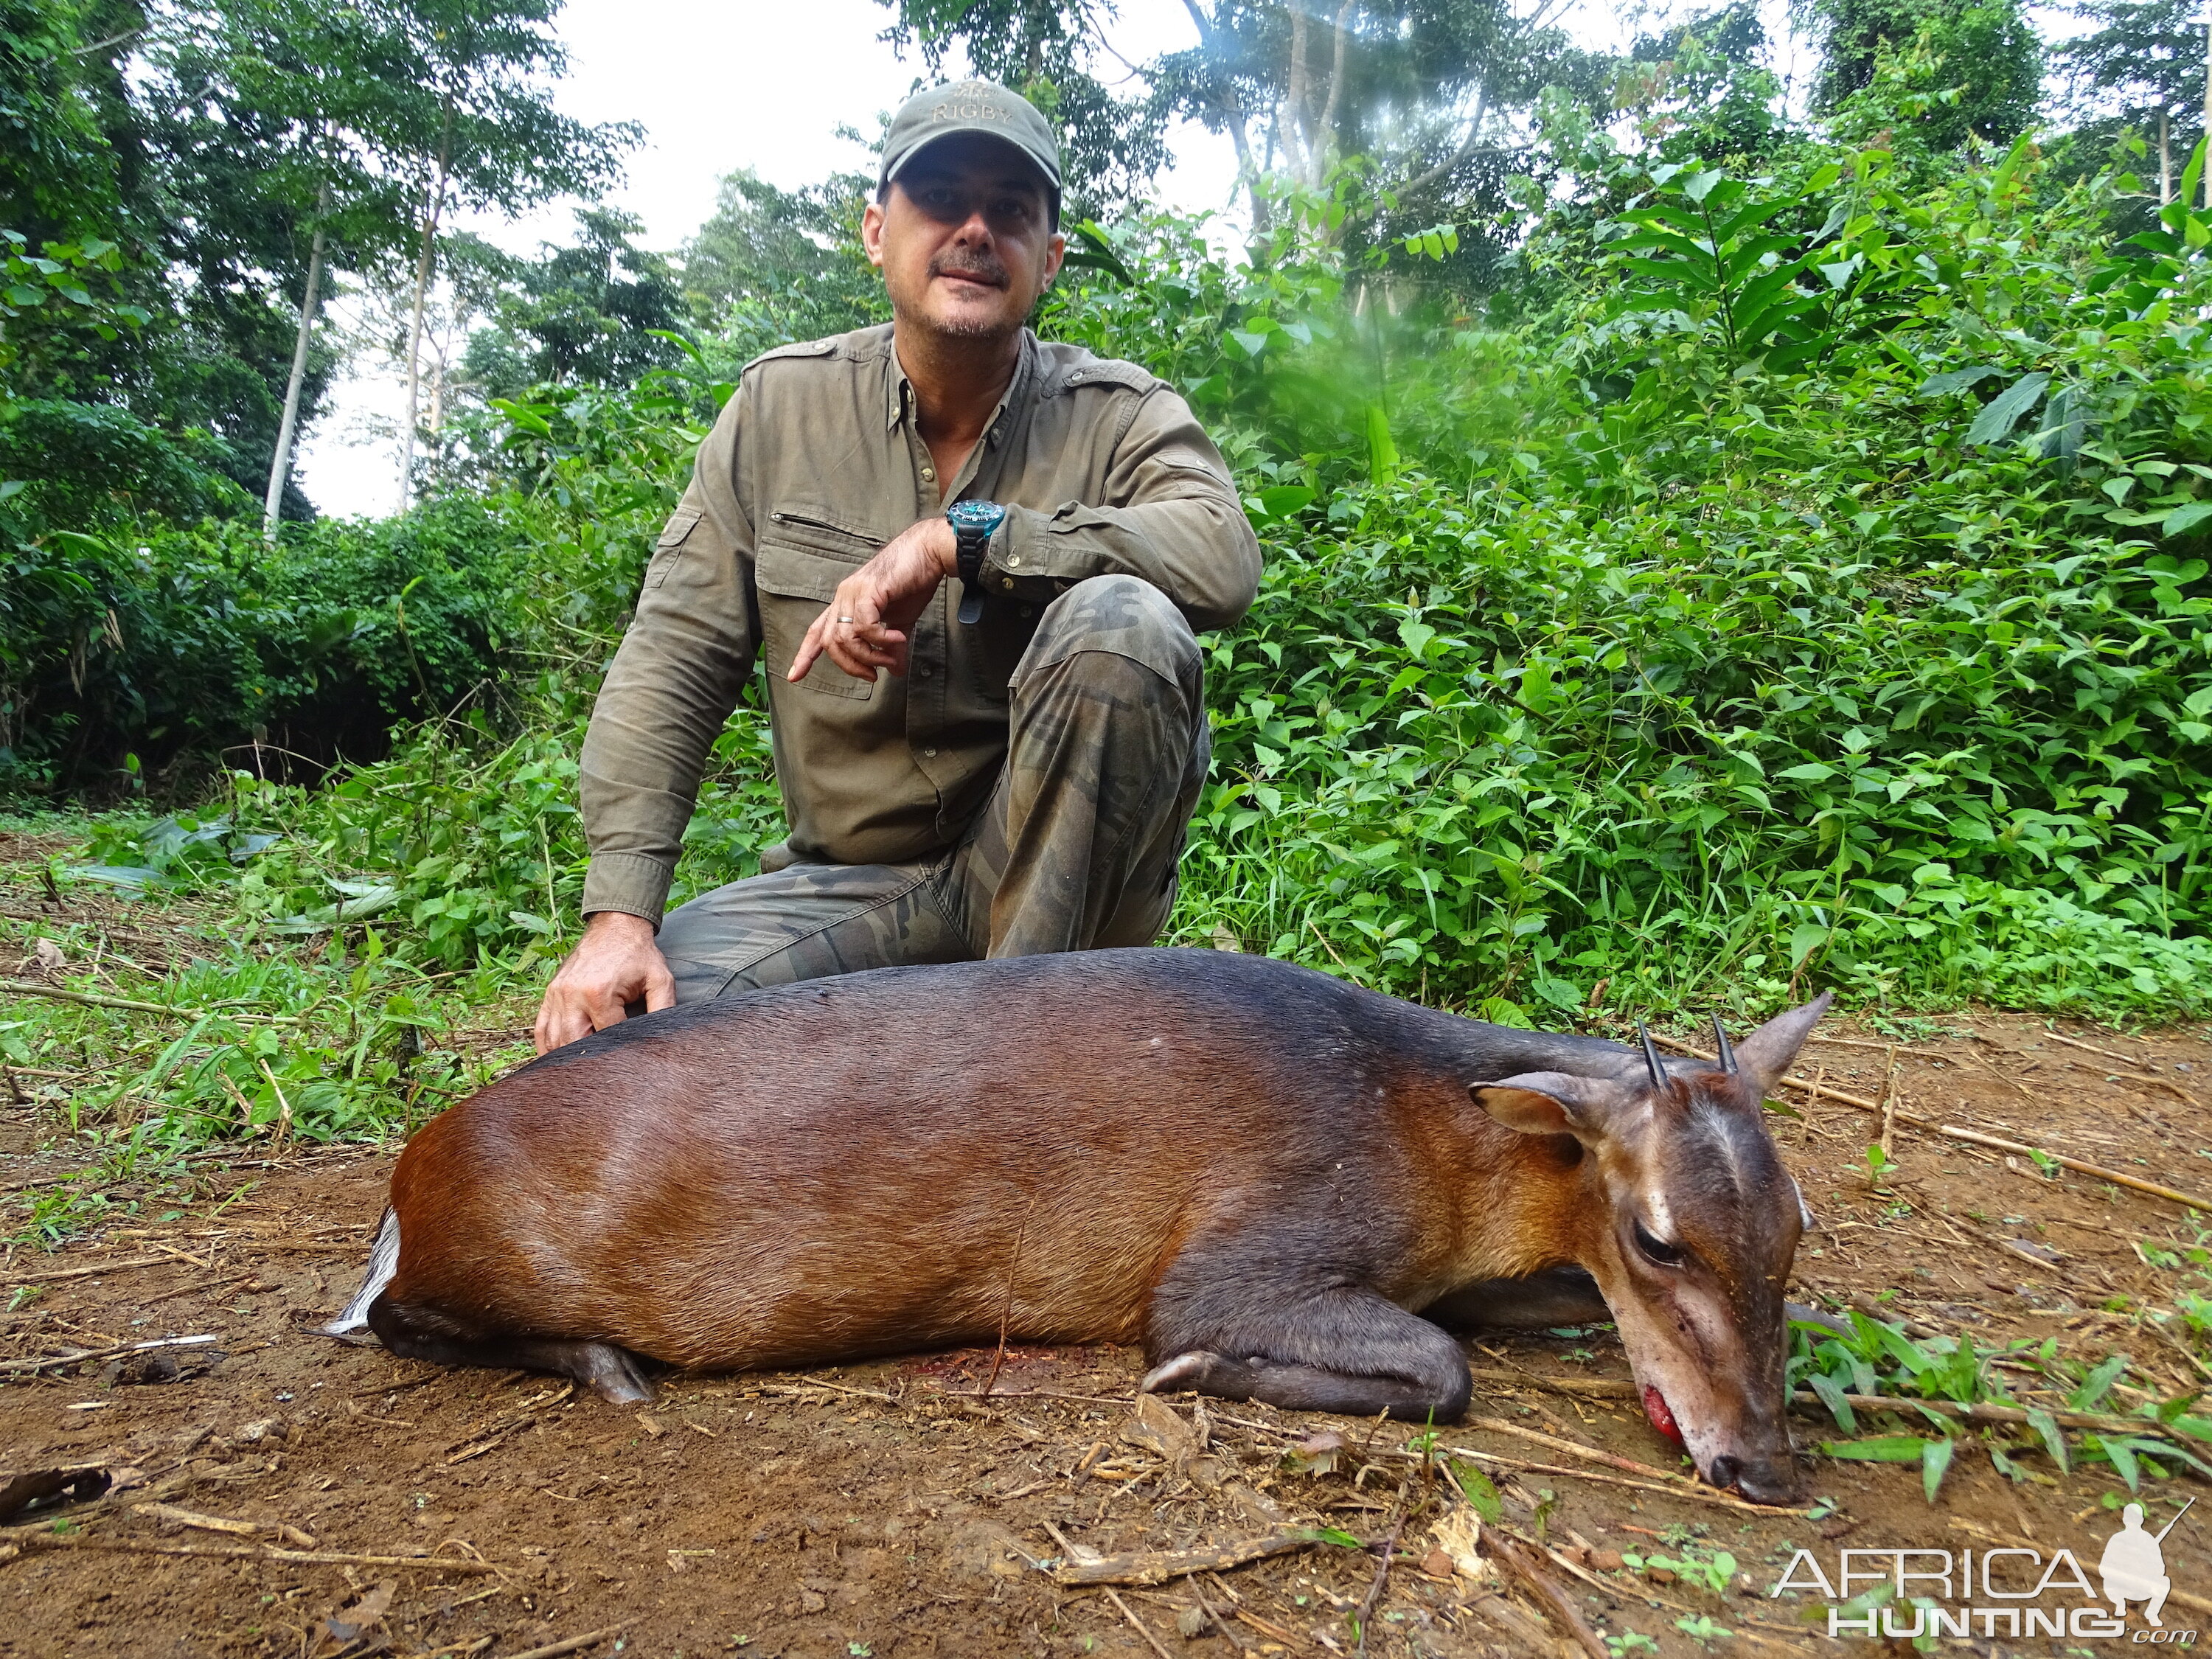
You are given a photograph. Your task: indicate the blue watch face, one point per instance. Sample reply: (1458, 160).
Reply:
(976, 515)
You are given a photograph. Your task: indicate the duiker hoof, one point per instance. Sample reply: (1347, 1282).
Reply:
(1195, 1370)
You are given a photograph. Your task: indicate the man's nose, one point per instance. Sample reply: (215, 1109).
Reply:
(973, 231)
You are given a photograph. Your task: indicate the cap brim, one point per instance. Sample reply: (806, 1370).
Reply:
(892, 170)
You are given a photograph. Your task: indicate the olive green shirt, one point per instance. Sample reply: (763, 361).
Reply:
(815, 464)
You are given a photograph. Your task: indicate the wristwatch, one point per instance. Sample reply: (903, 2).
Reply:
(972, 524)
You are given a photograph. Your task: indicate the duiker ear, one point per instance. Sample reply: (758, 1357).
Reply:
(1553, 1102)
(1766, 1053)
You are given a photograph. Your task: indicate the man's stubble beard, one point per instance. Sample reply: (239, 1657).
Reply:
(964, 329)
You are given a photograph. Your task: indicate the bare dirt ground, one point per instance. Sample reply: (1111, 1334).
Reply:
(375, 1506)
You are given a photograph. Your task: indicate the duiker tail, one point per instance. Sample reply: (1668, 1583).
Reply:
(383, 1262)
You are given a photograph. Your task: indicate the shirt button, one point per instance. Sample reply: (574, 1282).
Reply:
(1013, 560)
(930, 753)
(929, 475)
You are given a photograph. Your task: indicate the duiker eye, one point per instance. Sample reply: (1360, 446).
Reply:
(1656, 1248)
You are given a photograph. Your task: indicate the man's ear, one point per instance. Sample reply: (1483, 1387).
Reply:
(872, 233)
(1766, 1053)
(1056, 251)
(1554, 1104)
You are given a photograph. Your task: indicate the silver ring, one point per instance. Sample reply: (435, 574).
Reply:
(844, 619)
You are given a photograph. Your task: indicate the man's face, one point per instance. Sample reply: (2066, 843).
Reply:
(964, 239)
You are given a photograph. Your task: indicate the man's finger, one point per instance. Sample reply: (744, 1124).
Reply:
(659, 991)
(557, 1022)
(605, 1008)
(809, 648)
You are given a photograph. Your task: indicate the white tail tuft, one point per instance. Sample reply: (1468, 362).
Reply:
(383, 1262)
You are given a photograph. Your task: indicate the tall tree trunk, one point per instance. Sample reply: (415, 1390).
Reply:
(2165, 159)
(434, 206)
(1327, 125)
(280, 464)
(2208, 105)
(1299, 127)
(1233, 120)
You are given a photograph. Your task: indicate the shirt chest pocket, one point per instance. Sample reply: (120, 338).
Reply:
(796, 573)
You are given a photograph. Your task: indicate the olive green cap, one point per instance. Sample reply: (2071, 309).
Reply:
(983, 106)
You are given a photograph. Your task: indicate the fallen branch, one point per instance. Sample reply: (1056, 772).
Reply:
(1158, 1566)
(1560, 1471)
(91, 1272)
(193, 1518)
(1576, 1448)
(2117, 1177)
(71, 1540)
(576, 1643)
(1607, 1388)
(1142, 1631)
(18, 1366)
(2140, 1066)
(1509, 1553)
(131, 1005)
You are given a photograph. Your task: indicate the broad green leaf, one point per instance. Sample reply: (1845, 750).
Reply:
(1957, 380)
(1481, 1492)
(1933, 1463)
(1805, 938)
(2186, 518)
(2046, 1427)
(2191, 176)
(1880, 1448)
(1280, 500)
(1831, 1393)
(1335, 1535)
(1752, 217)
(2099, 1383)
(2002, 412)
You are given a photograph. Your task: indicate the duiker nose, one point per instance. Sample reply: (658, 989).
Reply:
(1762, 1481)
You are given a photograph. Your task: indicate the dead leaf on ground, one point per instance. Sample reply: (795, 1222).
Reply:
(344, 1628)
(1458, 1538)
(1317, 1453)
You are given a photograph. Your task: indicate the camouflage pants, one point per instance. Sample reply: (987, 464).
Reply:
(1076, 848)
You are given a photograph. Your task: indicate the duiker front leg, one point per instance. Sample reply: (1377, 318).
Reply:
(1311, 1343)
(1537, 1301)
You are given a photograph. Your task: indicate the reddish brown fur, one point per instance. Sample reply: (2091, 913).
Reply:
(1260, 1172)
(854, 1182)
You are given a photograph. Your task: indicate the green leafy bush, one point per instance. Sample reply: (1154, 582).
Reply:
(118, 654)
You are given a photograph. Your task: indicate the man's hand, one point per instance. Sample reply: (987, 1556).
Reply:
(868, 624)
(614, 965)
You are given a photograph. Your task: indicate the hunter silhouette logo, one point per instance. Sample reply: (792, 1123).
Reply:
(2133, 1566)
(2009, 1590)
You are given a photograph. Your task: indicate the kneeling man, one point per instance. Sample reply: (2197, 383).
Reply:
(975, 564)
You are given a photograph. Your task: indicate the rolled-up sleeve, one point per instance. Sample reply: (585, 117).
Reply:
(1170, 516)
(671, 686)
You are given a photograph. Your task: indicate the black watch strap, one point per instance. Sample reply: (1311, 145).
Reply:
(973, 545)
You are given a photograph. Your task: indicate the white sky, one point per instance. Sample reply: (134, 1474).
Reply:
(723, 86)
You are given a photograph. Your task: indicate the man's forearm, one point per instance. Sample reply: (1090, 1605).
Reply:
(670, 689)
(1169, 515)
(1198, 549)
